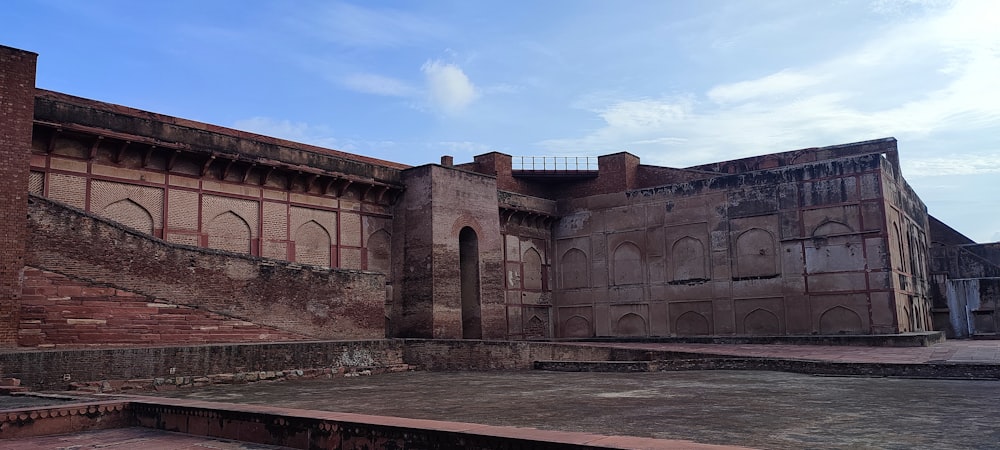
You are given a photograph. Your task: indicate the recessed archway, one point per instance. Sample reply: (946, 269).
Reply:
(468, 257)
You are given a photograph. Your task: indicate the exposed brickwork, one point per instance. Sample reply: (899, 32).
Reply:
(57, 311)
(320, 303)
(57, 369)
(17, 92)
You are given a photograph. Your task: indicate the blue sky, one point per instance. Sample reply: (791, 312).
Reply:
(677, 83)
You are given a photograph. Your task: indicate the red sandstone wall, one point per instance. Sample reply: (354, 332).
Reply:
(327, 304)
(17, 86)
(789, 250)
(57, 311)
(439, 203)
(186, 199)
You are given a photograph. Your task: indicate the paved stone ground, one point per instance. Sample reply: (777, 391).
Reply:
(129, 439)
(968, 351)
(754, 409)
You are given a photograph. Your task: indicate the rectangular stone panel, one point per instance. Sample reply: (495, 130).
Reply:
(836, 282)
(176, 180)
(70, 165)
(275, 222)
(350, 258)
(350, 229)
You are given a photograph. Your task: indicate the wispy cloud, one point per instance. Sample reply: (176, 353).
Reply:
(782, 83)
(853, 96)
(956, 164)
(448, 88)
(356, 26)
(369, 83)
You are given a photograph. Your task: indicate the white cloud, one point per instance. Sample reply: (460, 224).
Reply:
(954, 164)
(448, 88)
(378, 84)
(780, 83)
(935, 73)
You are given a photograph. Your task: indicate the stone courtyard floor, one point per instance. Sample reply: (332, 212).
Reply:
(753, 409)
(965, 351)
(745, 408)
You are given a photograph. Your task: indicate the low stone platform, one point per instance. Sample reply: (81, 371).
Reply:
(172, 424)
(943, 371)
(916, 339)
(952, 351)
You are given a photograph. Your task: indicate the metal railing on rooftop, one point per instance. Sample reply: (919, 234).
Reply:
(554, 163)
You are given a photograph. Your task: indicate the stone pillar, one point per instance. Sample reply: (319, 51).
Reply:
(17, 110)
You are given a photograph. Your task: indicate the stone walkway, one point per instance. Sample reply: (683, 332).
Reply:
(983, 352)
(130, 439)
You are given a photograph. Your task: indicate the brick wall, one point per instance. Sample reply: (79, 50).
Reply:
(316, 302)
(17, 95)
(57, 369)
(57, 311)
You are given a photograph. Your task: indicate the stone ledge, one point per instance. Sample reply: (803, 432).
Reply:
(950, 371)
(919, 339)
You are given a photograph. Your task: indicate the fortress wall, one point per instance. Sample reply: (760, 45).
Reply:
(317, 302)
(789, 250)
(17, 85)
(184, 198)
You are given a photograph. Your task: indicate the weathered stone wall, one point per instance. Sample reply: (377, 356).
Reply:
(57, 369)
(907, 249)
(17, 85)
(57, 311)
(525, 226)
(312, 301)
(441, 295)
(260, 207)
(794, 249)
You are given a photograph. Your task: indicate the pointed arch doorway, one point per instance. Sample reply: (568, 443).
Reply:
(468, 257)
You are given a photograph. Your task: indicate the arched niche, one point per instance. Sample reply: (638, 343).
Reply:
(577, 326)
(626, 264)
(574, 270)
(761, 322)
(692, 323)
(379, 252)
(532, 267)
(630, 325)
(831, 228)
(687, 258)
(130, 214)
(468, 256)
(840, 320)
(756, 254)
(535, 327)
(312, 244)
(230, 232)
